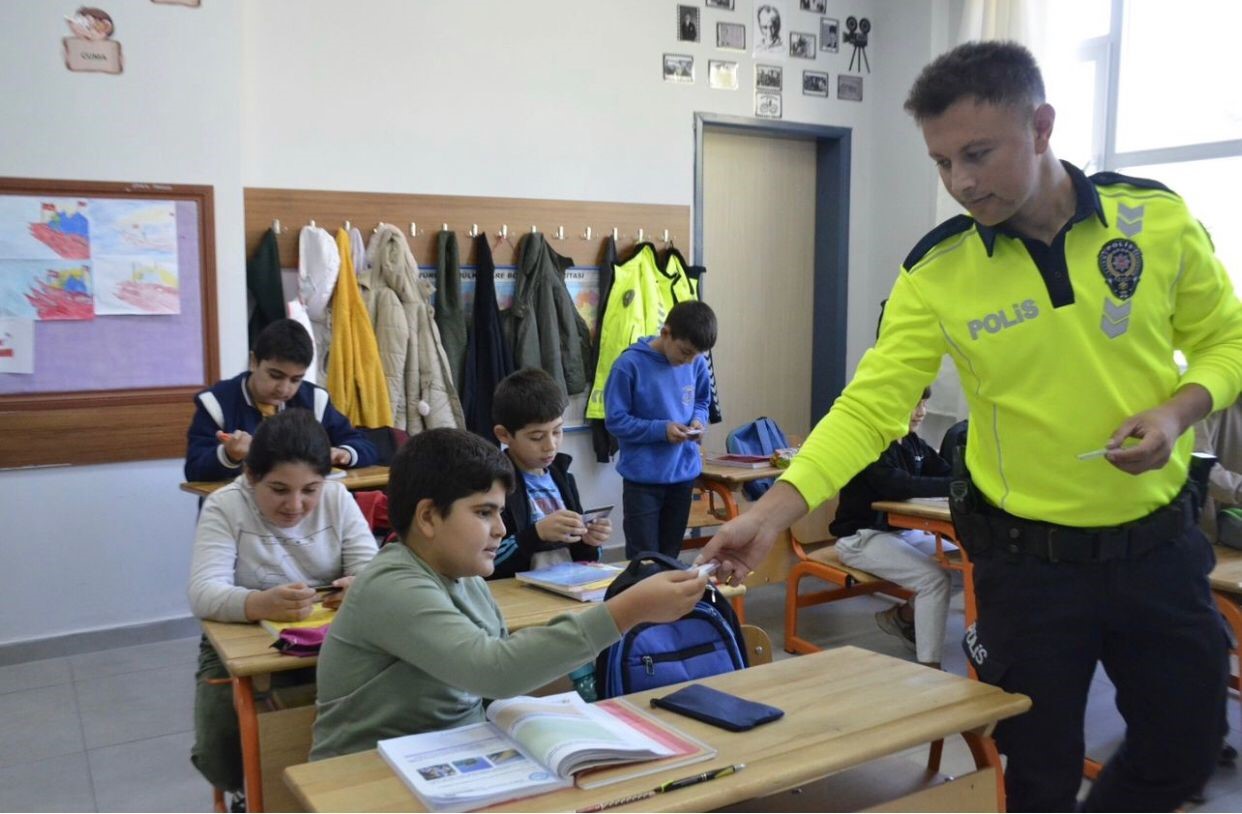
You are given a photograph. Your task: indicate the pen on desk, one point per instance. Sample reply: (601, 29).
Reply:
(671, 785)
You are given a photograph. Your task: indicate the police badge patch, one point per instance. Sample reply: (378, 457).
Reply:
(1121, 263)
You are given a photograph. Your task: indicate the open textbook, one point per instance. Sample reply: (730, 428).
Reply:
(533, 745)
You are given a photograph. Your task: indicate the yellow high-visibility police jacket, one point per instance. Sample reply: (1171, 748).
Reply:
(642, 295)
(1056, 347)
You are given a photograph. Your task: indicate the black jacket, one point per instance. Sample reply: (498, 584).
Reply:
(908, 468)
(517, 521)
(488, 357)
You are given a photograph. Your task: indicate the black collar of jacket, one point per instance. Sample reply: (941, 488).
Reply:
(517, 502)
(1087, 203)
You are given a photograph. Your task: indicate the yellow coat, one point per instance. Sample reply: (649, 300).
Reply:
(355, 375)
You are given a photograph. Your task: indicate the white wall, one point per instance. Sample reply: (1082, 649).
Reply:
(104, 546)
(555, 99)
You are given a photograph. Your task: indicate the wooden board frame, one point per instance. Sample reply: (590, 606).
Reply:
(295, 208)
(107, 426)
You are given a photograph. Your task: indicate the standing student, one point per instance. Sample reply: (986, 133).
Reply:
(1061, 299)
(655, 403)
(908, 468)
(263, 544)
(227, 415)
(421, 642)
(543, 513)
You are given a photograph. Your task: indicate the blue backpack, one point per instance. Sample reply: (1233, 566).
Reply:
(705, 642)
(759, 437)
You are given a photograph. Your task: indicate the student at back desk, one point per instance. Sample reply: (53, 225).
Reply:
(262, 543)
(227, 415)
(908, 468)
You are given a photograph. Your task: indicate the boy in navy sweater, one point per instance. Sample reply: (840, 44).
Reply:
(227, 415)
(655, 403)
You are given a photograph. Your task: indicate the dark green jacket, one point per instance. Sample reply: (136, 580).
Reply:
(544, 326)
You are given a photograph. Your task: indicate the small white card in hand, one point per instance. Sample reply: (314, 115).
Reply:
(1092, 455)
(707, 569)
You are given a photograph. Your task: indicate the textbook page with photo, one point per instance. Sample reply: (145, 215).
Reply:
(530, 746)
(584, 581)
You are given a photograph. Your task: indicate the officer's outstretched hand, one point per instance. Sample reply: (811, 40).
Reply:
(739, 546)
(1157, 430)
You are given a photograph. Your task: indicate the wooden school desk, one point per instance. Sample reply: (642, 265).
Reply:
(843, 708)
(723, 481)
(246, 651)
(365, 477)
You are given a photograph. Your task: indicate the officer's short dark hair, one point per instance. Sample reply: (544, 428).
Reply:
(290, 436)
(996, 72)
(694, 322)
(443, 465)
(529, 396)
(926, 393)
(284, 340)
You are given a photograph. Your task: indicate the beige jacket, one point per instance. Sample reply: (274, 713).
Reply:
(420, 384)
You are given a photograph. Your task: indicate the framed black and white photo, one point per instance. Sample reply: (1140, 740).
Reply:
(731, 36)
(769, 31)
(679, 68)
(801, 45)
(829, 34)
(768, 105)
(721, 75)
(849, 88)
(814, 83)
(727, 5)
(768, 77)
(817, 6)
(688, 23)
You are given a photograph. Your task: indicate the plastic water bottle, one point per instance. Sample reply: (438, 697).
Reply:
(584, 682)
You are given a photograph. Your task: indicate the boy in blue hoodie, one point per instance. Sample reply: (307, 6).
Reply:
(655, 403)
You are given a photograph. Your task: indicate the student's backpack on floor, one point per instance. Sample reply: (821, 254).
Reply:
(759, 437)
(705, 642)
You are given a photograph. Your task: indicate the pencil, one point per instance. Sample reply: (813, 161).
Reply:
(672, 785)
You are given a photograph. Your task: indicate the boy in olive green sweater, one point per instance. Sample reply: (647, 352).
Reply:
(421, 643)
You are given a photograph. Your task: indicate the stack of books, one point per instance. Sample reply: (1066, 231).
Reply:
(736, 459)
(584, 581)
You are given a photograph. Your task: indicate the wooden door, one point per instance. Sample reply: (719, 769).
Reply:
(759, 249)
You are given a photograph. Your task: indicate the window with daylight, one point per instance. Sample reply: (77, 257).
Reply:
(1147, 88)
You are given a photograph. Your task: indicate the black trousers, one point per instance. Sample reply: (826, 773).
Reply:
(655, 516)
(1042, 627)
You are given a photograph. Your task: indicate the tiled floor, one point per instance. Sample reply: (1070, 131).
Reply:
(111, 731)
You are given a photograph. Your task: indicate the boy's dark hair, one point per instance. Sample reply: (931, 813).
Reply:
(290, 436)
(999, 73)
(694, 322)
(284, 340)
(443, 465)
(529, 396)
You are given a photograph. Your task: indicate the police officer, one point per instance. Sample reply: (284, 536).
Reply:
(1061, 299)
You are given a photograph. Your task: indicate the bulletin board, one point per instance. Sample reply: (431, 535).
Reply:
(119, 282)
